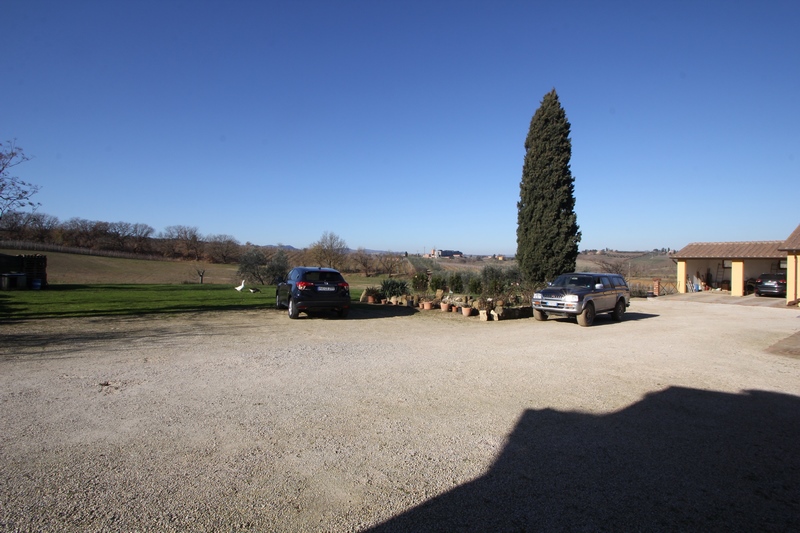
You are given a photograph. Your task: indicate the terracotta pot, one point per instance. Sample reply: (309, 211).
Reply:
(370, 299)
(445, 307)
(466, 311)
(454, 309)
(427, 306)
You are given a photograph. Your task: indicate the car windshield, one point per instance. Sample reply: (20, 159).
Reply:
(567, 280)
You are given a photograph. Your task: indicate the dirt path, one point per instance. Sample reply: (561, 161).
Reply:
(680, 417)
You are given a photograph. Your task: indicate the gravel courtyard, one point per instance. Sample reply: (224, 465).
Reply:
(685, 416)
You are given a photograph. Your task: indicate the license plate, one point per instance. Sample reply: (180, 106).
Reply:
(323, 289)
(552, 304)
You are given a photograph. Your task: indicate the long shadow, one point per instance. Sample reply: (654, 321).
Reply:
(605, 319)
(678, 460)
(363, 312)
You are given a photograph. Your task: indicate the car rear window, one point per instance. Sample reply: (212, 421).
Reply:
(333, 277)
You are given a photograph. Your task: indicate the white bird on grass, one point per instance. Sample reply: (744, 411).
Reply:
(254, 289)
(240, 287)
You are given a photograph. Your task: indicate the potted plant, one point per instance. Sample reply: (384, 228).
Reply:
(425, 303)
(373, 294)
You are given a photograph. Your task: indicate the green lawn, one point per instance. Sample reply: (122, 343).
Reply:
(107, 300)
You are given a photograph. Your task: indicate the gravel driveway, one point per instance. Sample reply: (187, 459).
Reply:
(685, 416)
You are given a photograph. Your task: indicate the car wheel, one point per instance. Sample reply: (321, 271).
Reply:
(539, 315)
(757, 294)
(619, 310)
(586, 318)
(278, 301)
(294, 312)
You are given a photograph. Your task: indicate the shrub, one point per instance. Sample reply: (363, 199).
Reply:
(438, 281)
(493, 281)
(474, 285)
(420, 282)
(393, 287)
(455, 282)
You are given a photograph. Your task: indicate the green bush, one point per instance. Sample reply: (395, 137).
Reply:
(393, 287)
(438, 281)
(455, 282)
(420, 282)
(474, 285)
(493, 281)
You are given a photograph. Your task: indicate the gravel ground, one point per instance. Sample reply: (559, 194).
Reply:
(685, 416)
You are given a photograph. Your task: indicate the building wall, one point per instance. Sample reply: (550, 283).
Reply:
(792, 277)
(681, 276)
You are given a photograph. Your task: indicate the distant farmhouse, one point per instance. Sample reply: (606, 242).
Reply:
(444, 253)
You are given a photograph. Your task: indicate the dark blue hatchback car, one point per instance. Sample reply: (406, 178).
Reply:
(309, 289)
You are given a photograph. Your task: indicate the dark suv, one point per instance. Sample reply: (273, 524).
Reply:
(313, 289)
(583, 295)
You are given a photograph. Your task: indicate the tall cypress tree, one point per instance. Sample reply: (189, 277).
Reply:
(547, 228)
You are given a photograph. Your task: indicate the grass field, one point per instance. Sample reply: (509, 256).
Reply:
(84, 285)
(113, 300)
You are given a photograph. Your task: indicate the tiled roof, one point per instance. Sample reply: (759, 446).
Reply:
(732, 250)
(793, 242)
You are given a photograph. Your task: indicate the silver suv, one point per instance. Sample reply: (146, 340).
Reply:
(583, 295)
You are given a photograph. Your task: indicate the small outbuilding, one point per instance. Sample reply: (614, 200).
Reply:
(729, 265)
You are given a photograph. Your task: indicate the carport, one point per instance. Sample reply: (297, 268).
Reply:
(726, 265)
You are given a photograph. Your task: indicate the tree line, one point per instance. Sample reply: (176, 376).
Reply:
(187, 243)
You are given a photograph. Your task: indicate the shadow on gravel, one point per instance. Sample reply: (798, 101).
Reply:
(789, 347)
(678, 460)
(605, 318)
(364, 312)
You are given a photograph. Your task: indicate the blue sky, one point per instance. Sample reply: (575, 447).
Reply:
(400, 125)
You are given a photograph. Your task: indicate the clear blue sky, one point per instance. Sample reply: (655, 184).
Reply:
(400, 125)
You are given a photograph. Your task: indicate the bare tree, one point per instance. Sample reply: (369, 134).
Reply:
(168, 242)
(622, 267)
(188, 239)
(222, 248)
(390, 262)
(84, 233)
(364, 261)
(140, 237)
(329, 251)
(119, 234)
(12, 225)
(40, 227)
(14, 193)
(200, 270)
